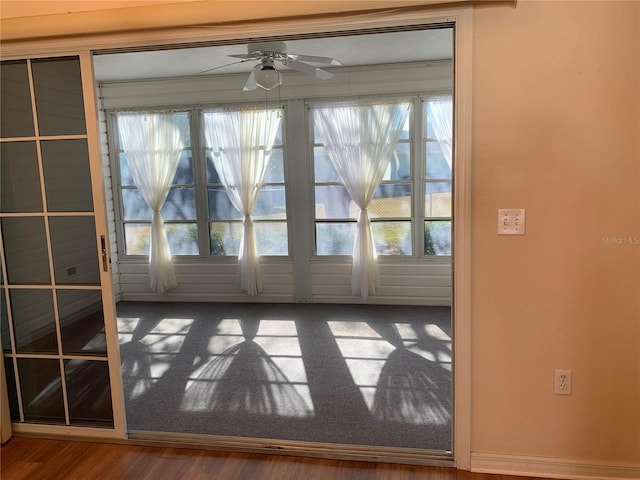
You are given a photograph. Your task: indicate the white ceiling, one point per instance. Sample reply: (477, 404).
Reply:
(369, 49)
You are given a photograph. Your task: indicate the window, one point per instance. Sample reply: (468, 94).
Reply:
(269, 213)
(179, 210)
(390, 210)
(197, 210)
(437, 113)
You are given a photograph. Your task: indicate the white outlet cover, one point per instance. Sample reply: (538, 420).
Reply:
(511, 221)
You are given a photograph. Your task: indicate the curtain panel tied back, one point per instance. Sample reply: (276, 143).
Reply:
(153, 143)
(241, 143)
(360, 140)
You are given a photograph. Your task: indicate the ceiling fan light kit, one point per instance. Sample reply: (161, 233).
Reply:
(265, 75)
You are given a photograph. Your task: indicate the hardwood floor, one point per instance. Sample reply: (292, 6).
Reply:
(38, 459)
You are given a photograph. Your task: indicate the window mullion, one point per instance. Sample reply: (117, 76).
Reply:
(419, 155)
(198, 146)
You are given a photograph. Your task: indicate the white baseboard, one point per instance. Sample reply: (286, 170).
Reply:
(552, 467)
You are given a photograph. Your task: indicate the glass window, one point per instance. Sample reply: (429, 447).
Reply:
(179, 210)
(438, 137)
(269, 213)
(336, 213)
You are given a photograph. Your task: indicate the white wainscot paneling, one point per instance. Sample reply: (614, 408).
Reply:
(208, 282)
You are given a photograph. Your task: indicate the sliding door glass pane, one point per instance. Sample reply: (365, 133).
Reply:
(41, 390)
(16, 116)
(4, 322)
(58, 91)
(67, 177)
(19, 178)
(34, 324)
(11, 389)
(81, 322)
(25, 249)
(75, 253)
(89, 393)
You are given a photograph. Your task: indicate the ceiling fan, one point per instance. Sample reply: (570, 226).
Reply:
(265, 74)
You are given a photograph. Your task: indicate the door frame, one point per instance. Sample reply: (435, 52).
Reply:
(461, 17)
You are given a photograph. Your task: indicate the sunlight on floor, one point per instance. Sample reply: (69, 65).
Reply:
(253, 368)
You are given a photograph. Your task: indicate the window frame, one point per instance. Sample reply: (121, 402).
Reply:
(417, 141)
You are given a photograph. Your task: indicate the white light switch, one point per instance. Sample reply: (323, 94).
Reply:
(511, 221)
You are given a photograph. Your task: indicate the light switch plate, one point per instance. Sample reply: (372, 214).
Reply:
(511, 221)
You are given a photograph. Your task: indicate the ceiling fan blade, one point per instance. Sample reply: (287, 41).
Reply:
(251, 81)
(314, 59)
(310, 70)
(245, 55)
(220, 66)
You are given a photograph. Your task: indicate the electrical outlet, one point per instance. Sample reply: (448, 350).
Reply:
(562, 382)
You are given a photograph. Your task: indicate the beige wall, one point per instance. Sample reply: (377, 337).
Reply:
(556, 131)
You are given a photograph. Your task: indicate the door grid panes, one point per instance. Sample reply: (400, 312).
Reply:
(52, 329)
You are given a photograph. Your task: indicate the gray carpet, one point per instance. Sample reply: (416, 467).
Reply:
(346, 374)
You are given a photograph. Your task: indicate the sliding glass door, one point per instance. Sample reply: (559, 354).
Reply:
(55, 291)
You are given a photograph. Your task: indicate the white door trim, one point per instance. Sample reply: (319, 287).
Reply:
(463, 18)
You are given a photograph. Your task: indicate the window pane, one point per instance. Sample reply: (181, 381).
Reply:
(437, 199)
(125, 174)
(437, 237)
(137, 238)
(335, 238)
(272, 238)
(179, 205)
(392, 238)
(220, 207)
(184, 171)
(67, 176)
(81, 322)
(183, 238)
(34, 324)
(323, 168)
(20, 178)
(88, 393)
(25, 248)
(134, 206)
(58, 91)
(179, 119)
(438, 161)
(275, 167)
(271, 203)
(391, 200)
(75, 252)
(333, 201)
(399, 163)
(224, 238)
(41, 390)
(16, 115)
(212, 174)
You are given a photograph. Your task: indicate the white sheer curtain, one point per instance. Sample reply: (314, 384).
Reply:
(360, 140)
(241, 142)
(153, 143)
(440, 116)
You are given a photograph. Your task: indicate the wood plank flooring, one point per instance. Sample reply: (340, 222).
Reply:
(39, 459)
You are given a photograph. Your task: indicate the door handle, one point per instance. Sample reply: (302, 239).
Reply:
(105, 259)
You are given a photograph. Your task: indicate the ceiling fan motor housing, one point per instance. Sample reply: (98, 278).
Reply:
(267, 48)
